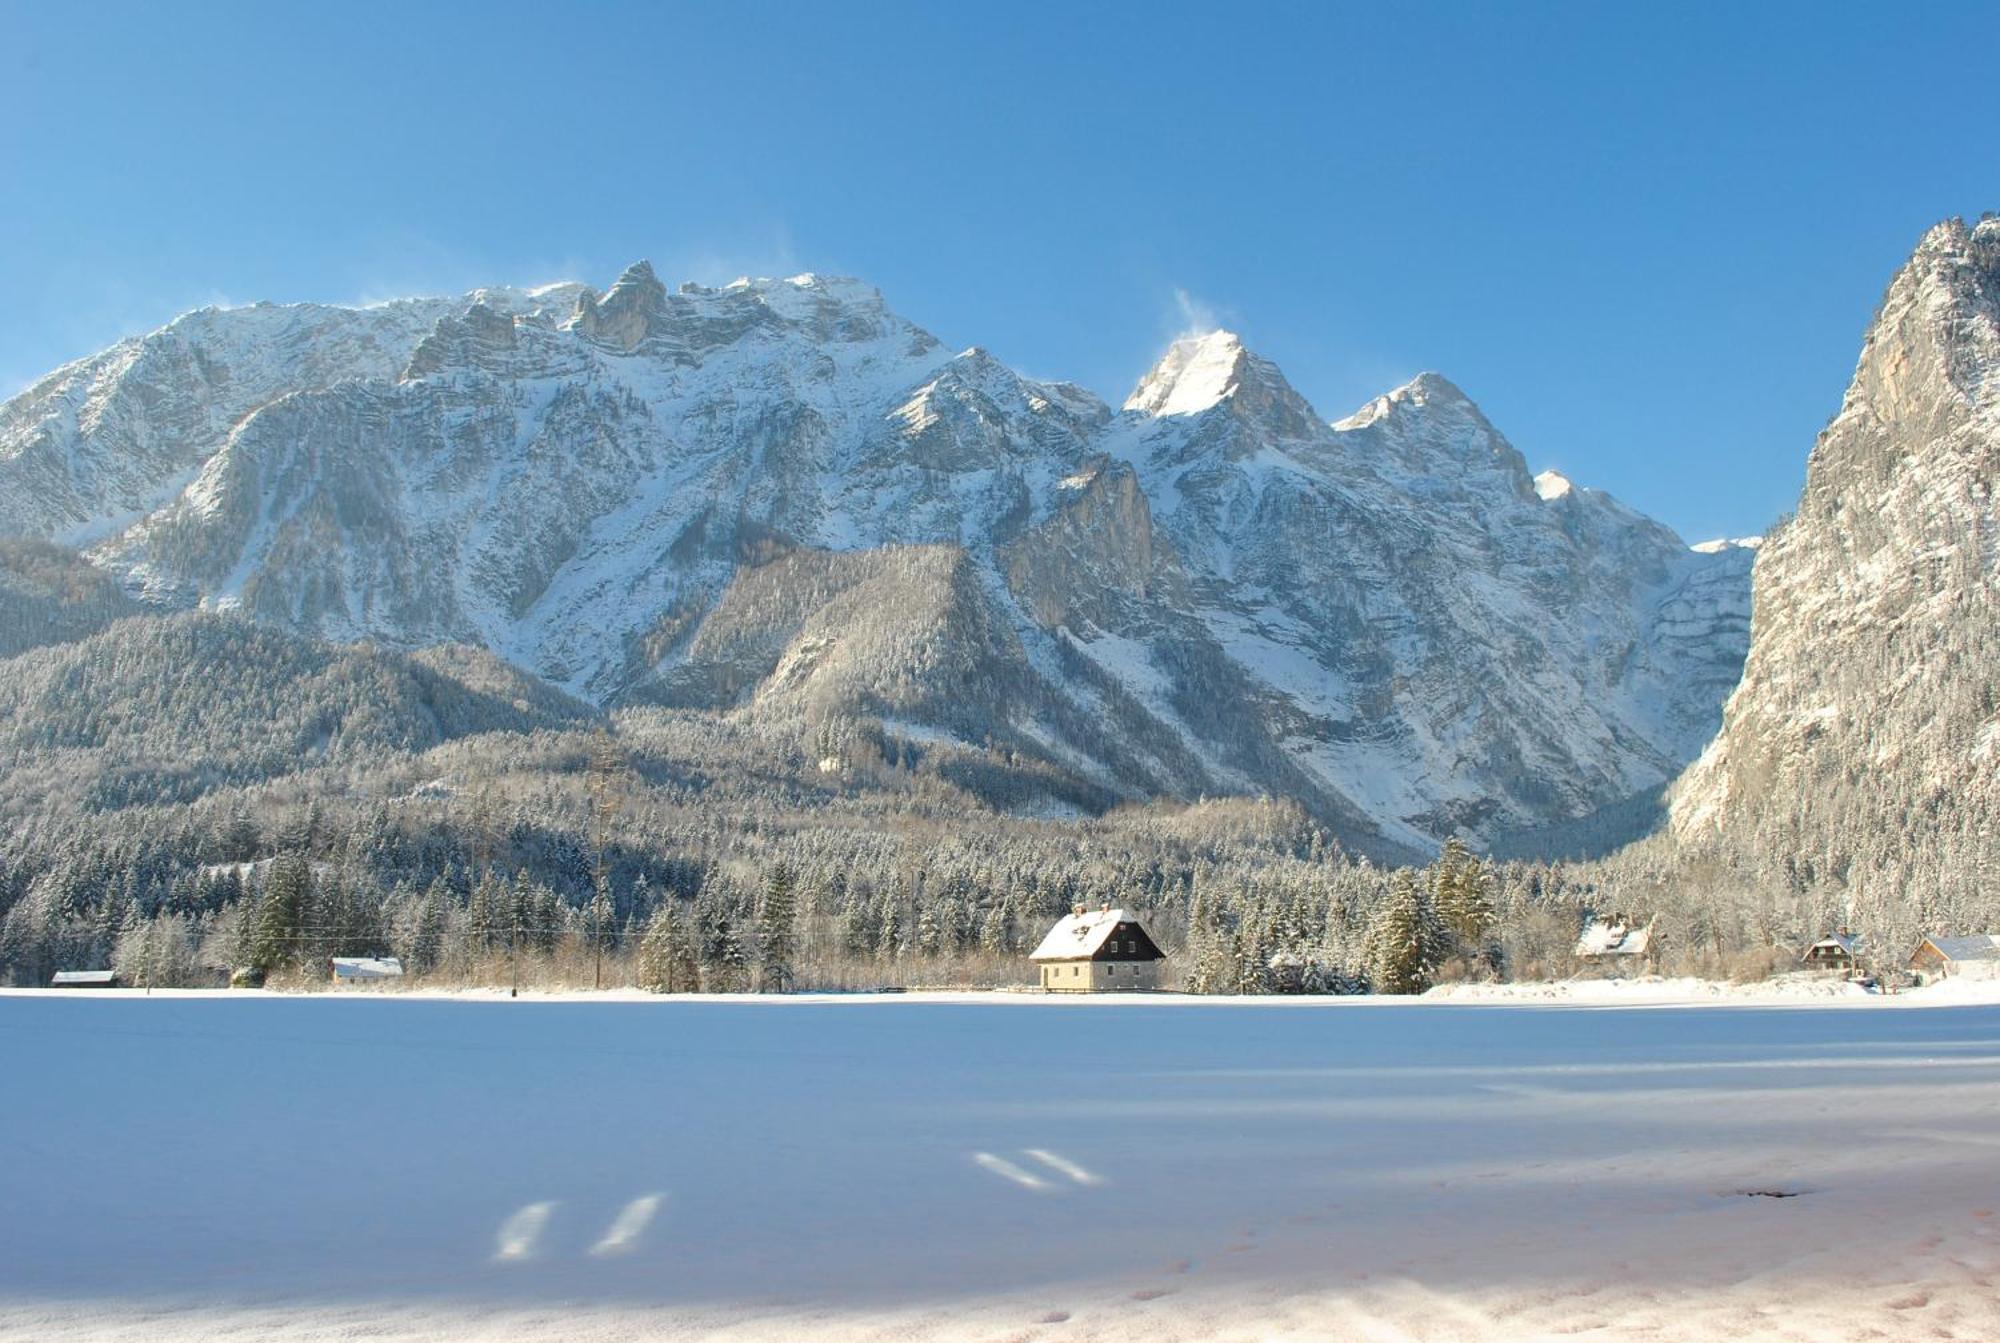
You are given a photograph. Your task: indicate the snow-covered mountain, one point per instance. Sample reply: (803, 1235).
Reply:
(1867, 724)
(782, 500)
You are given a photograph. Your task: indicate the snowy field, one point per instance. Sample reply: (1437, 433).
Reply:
(396, 1167)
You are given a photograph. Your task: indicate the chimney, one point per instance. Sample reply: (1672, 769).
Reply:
(1077, 908)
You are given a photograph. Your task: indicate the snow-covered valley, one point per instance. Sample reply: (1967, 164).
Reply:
(200, 1166)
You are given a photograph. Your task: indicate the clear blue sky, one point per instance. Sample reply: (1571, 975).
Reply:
(1645, 238)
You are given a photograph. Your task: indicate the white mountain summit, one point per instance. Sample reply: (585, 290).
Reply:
(782, 501)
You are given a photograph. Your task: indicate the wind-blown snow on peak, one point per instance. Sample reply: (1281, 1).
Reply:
(1194, 374)
(1214, 371)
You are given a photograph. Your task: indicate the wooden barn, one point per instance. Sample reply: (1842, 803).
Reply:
(1975, 956)
(1105, 950)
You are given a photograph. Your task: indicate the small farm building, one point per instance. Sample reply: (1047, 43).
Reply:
(84, 979)
(1102, 951)
(1976, 956)
(1614, 940)
(359, 969)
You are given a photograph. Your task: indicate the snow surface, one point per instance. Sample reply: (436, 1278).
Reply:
(995, 1167)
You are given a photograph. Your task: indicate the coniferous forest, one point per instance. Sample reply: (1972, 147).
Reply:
(194, 800)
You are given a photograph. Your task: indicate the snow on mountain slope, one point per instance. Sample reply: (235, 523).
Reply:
(1868, 704)
(780, 499)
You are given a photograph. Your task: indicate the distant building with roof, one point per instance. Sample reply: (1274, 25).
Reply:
(1616, 941)
(1836, 951)
(362, 969)
(85, 979)
(1104, 950)
(1971, 956)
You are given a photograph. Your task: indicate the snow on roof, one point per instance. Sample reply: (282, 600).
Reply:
(1614, 939)
(366, 967)
(84, 977)
(1976, 947)
(1076, 936)
(1847, 942)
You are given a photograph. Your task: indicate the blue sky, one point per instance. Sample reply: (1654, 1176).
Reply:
(1645, 239)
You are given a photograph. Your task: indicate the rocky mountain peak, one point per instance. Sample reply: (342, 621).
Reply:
(627, 313)
(1430, 427)
(1194, 374)
(1868, 682)
(1200, 373)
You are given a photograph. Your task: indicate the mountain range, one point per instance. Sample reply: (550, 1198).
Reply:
(781, 502)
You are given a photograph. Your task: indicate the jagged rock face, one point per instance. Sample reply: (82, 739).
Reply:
(779, 499)
(1868, 703)
(1465, 652)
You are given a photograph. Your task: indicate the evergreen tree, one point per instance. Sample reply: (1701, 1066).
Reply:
(731, 962)
(889, 938)
(684, 954)
(281, 914)
(1401, 940)
(485, 913)
(656, 951)
(777, 915)
(1461, 892)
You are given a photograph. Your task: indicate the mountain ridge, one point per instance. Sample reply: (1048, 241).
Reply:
(1211, 591)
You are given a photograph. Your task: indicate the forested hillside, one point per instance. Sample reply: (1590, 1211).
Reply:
(485, 829)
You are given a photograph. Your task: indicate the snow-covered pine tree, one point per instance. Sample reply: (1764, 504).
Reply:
(1461, 893)
(1399, 940)
(282, 912)
(731, 969)
(777, 934)
(656, 951)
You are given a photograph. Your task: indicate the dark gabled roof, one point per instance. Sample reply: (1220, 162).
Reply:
(1080, 936)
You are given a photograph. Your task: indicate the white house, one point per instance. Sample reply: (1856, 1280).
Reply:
(1100, 951)
(359, 969)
